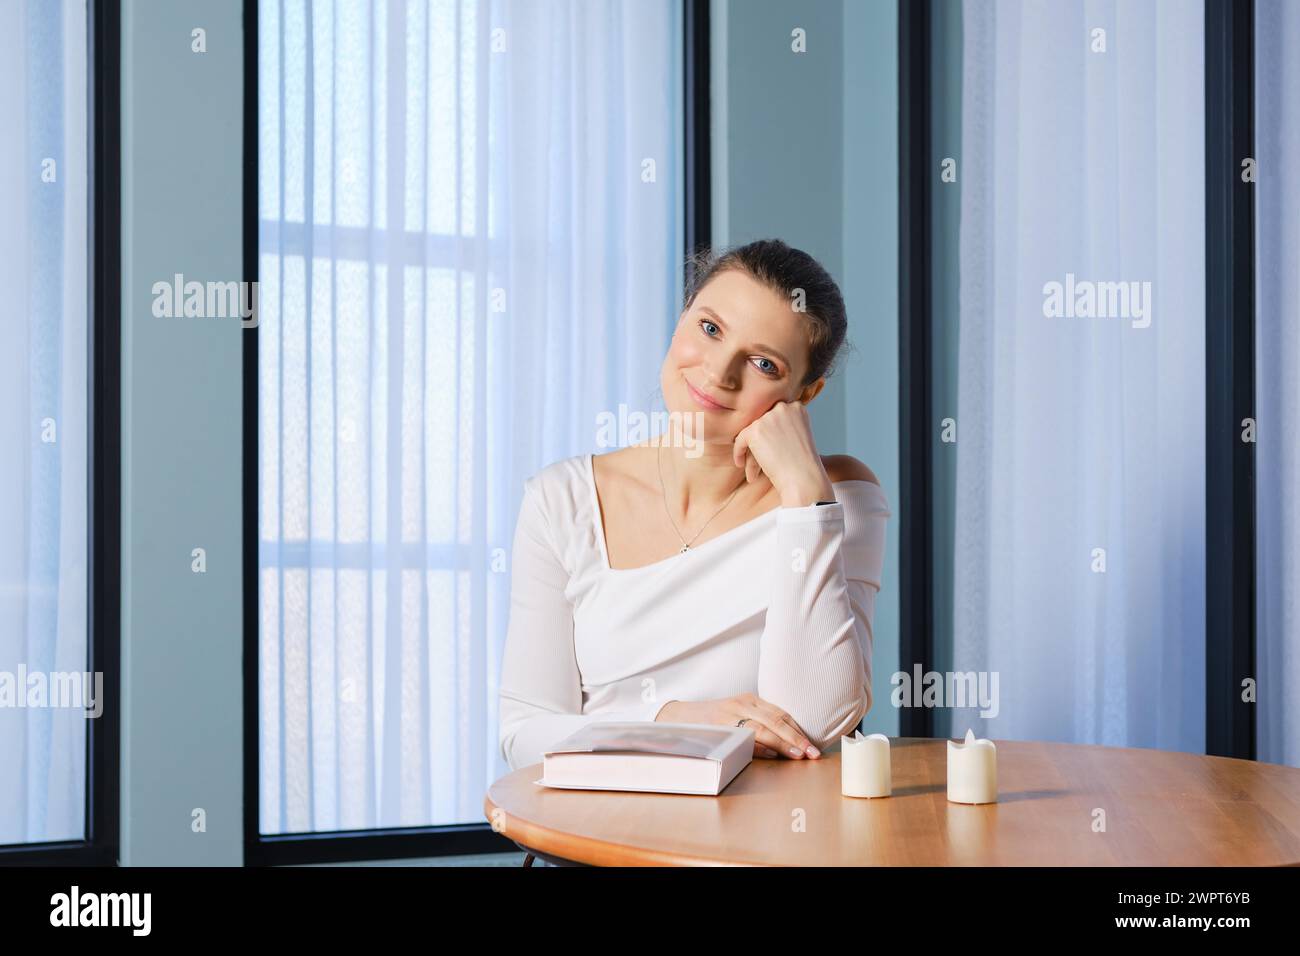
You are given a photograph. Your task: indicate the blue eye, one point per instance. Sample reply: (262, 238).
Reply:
(774, 371)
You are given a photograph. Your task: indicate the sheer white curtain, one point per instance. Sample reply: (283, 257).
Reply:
(1277, 379)
(469, 249)
(43, 377)
(1082, 439)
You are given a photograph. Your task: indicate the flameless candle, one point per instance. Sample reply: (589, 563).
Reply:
(864, 766)
(972, 770)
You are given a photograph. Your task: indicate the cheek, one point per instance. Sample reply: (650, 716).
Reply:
(680, 355)
(764, 393)
(683, 351)
(757, 402)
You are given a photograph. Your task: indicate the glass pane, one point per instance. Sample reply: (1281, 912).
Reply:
(1069, 346)
(45, 692)
(461, 259)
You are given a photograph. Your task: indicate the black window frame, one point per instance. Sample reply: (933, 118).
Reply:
(915, 355)
(1230, 631)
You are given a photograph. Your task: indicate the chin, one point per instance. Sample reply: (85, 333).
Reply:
(682, 409)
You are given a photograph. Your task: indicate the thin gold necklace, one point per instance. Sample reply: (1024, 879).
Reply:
(686, 545)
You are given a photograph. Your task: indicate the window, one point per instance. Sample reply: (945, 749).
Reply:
(58, 420)
(469, 231)
(1068, 428)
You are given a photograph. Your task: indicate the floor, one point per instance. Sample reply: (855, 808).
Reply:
(479, 859)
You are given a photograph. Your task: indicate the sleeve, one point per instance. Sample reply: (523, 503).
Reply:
(815, 650)
(540, 692)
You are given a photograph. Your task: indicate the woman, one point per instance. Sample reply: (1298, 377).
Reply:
(722, 574)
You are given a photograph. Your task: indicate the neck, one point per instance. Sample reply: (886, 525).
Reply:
(703, 480)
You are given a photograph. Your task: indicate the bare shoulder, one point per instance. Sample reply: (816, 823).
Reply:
(847, 468)
(610, 463)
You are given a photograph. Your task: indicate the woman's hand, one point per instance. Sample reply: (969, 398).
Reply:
(775, 732)
(779, 443)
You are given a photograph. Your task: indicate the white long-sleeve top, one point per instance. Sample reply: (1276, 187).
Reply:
(780, 606)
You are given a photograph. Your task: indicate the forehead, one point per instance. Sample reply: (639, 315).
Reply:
(749, 306)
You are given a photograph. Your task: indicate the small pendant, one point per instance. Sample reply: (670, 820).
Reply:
(685, 548)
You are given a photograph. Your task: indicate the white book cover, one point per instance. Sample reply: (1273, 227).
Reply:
(648, 757)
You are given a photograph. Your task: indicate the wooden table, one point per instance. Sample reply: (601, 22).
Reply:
(1161, 808)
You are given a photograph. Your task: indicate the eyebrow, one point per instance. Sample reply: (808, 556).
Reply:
(761, 348)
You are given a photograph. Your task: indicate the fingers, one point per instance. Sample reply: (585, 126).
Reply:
(791, 740)
(752, 471)
(767, 753)
(773, 728)
(771, 740)
(739, 448)
(777, 736)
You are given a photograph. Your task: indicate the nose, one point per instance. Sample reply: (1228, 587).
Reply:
(716, 378)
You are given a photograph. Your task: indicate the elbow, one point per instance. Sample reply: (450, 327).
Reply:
(506, 746)
(831, 735)
(520, 749)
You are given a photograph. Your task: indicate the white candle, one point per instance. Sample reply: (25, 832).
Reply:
(972, 770)
(864, 766)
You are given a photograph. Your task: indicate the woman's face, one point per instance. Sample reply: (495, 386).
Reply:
(740, 344)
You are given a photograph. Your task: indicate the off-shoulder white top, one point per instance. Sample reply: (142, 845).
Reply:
(780, 606)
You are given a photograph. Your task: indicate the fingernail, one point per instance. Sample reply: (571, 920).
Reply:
(796, 752)
(813, 751)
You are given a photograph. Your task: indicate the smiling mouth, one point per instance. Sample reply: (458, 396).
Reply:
(704, 400)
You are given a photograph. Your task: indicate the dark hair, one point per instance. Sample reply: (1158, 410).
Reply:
(783, 269)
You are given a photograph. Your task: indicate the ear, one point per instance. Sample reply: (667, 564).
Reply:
(811, 391)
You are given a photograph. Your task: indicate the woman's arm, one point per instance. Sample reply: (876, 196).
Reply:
(815, 651)
(541, 687)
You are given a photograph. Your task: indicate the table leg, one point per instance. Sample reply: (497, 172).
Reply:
(535, 857)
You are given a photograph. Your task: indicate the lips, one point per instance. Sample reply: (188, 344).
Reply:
(703, 399)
